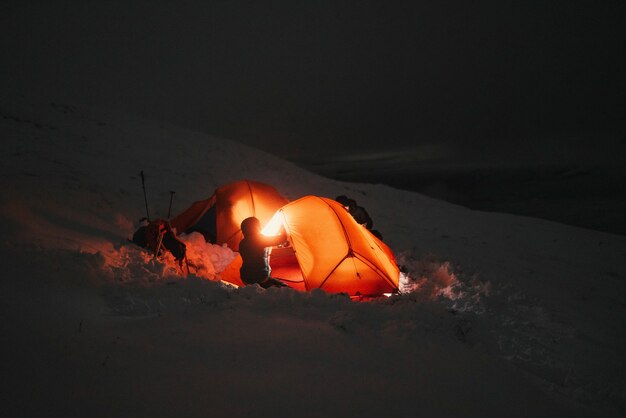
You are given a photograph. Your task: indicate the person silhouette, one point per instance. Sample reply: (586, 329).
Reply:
(254, 250)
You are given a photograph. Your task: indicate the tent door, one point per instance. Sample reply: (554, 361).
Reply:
(284, 265)
(206, 226)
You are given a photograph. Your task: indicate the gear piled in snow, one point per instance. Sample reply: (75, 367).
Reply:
(158, 237)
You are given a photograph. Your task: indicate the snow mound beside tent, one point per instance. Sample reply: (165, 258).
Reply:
(206, 258)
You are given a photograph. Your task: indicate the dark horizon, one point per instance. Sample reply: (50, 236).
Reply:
(325, 78)
(587, 195)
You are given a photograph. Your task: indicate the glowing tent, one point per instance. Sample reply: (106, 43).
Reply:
(219, 217)
(330, 250)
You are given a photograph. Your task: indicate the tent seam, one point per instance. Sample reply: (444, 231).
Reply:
(375, 269)
(251, 197)
(288, 232)
(345, 233)
(333, 270)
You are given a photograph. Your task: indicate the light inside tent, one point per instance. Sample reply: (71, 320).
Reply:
(274, 225)
(242, 209)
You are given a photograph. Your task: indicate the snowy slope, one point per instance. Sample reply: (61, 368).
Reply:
(503, 315)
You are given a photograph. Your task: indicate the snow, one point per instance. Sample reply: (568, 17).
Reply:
(207, 259)
(502, 315)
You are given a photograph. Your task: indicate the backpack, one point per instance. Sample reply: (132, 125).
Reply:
(158, 237)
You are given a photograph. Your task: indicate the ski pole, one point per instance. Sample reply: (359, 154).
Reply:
(145, 197)
(169, 211)
(158, 248)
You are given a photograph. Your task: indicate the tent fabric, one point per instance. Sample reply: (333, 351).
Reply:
(333, 251)
(227, 207)
(186, 220)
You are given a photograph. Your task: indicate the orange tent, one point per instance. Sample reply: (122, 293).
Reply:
(330, 250)
(219, 217)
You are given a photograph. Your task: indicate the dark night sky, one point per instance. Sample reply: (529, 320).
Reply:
(448, 81)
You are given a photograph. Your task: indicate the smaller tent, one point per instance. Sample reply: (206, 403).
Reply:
(219, 217)
(329, 250)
